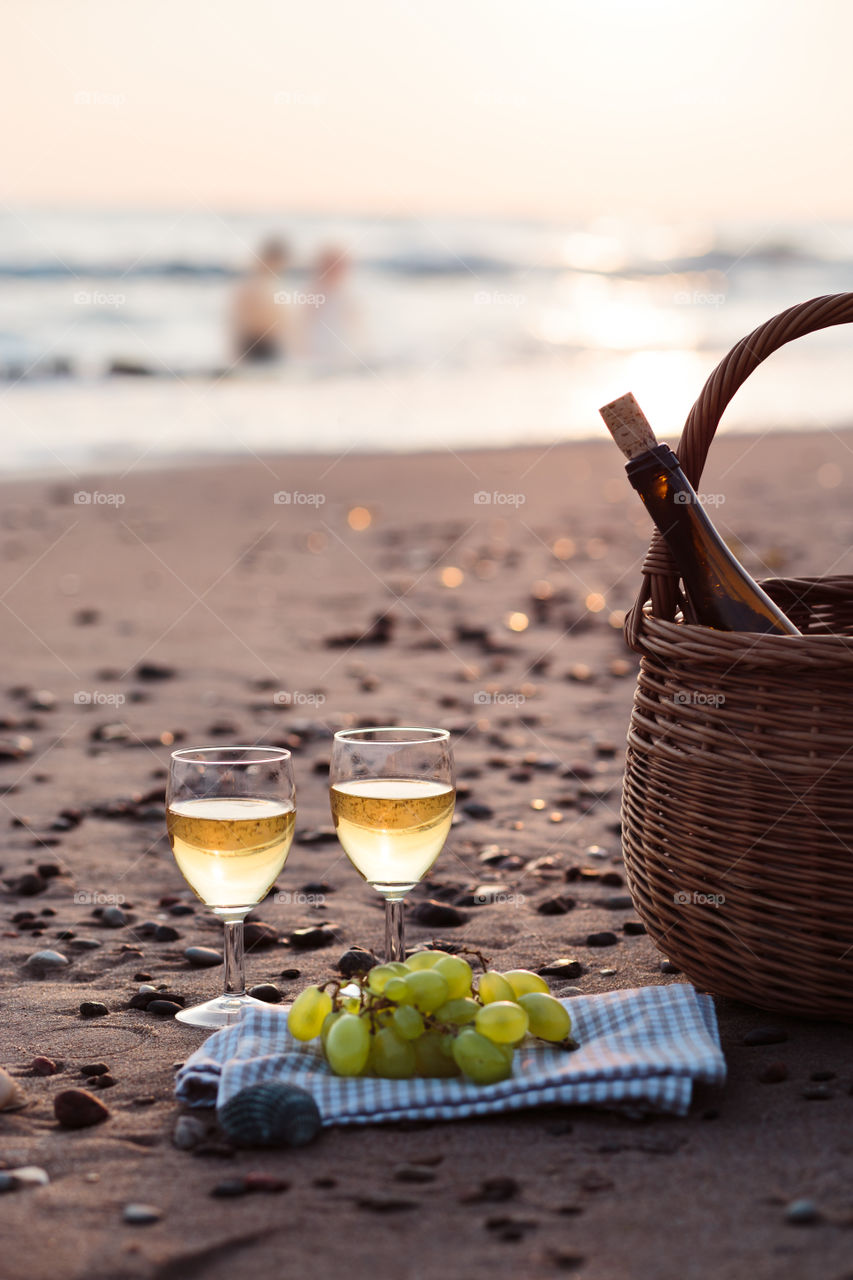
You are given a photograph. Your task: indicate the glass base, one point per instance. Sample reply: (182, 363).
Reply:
(221, 1012)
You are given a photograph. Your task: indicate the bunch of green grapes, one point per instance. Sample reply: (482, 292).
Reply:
(426, 1016)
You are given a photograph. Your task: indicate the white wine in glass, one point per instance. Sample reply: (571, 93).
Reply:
(230, 815)
(392, 797)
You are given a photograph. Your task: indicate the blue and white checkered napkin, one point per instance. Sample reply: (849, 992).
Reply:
(639, 1049)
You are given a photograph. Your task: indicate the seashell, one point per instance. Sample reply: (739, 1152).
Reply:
(12, 1095)
(270, 1114)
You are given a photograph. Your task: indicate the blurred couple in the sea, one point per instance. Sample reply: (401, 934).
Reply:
(273, 323)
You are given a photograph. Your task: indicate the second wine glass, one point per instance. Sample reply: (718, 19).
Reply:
(392, 796)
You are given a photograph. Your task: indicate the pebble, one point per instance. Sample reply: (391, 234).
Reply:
(113, 918)
(267, 992)
(85, 944)
(438, 915)
(27, 885)
(42, 962)
(93, 1009)
(103, 1082)
(30, 1175)
(354, 960)
(603, 939)
(257, 935)
(773, 1073)
(229, 1187)
(479, 812)
(817, 1093)
(765, 1035)
(44, 1066)
(802, 1213)
(311, 938)
(562, 968)
(77, 1109)
(154, 671)
(413, 1173)
(633, 928)
(822, 1075)
(141, 1215)
(189, 1131)
(181, 909)
(163, 1008)
(558, 906)
(7, 1181)
(268, 1182)
(203, 957)
(618, 902)
(165, 933)
(380, 1202)
(667, 966)
(94, 1069)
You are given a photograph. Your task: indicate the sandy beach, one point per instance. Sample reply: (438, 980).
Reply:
(480, 591)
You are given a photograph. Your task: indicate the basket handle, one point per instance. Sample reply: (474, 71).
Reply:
(660, 576)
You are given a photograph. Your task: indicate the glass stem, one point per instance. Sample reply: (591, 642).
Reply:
(235, 976)
(395, 942)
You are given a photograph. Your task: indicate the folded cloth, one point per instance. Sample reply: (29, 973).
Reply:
(639, 1050)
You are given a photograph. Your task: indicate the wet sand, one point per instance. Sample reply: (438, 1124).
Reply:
(199, 610)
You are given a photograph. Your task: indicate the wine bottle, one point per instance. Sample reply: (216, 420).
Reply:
(720, 592)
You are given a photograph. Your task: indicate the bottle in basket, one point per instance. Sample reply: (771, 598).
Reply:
(720, 592)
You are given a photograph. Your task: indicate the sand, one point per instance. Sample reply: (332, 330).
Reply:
(199, 576)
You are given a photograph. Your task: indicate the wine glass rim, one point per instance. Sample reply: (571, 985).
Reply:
(433, 735)
(266, 755)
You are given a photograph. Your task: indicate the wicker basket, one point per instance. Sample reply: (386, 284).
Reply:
(738, 798)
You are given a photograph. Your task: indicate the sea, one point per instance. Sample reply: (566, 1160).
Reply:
(115, 349)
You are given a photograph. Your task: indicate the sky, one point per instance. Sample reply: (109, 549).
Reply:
(668, 109)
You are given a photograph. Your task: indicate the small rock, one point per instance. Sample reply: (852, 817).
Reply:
(27, 885)
(355, 960)
(165, 933)
(44, 962)
(154, 671)
(77, 1109)
(203, 957)
(189, 1131)
(633, 928)
(94, 1069)
(290, 974)
(144, 998)
(43, 1066)
(563, 968)
(8, 1182)
(141, 1215)
(774, 1073)
(267, 992)
(30, 1175)
(603, 939)
(618, 902)
(802, 1213)
(413, 1173)
(93, 1009)
(822, 1075)
(163, 1008)
(666, 966)
(85, 944)
(817, 1093)
(228, 1188)
(113, 918)
(493, 1191)
(257, 935)
(557, 906)
(765, 1035)
(311, 938)
(103, 1082)
(181, 909)
(438, 915)
(380, 1202)
(268, 1182)
(479, 812)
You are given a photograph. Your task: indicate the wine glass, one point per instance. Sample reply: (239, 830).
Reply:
(230, 815)
(392, 795)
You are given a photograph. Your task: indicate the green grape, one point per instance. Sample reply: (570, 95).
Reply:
(502, 1021)
(423, 960)
(549, 1020)
(348, 1045)
(397, 990)
(407, 1022)
(428, 990)
(523, 982)
(308, 1013)
(494, 986)
(331, 1019)
(431, 1059)
(381, 974)
(457, 1012)
(390, 1057)
(480, 1059)
(384, 1017)
(350, 1004)
(457, 974)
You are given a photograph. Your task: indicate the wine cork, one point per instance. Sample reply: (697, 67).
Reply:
(629, 426)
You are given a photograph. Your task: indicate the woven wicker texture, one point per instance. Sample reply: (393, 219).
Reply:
(737, 808)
